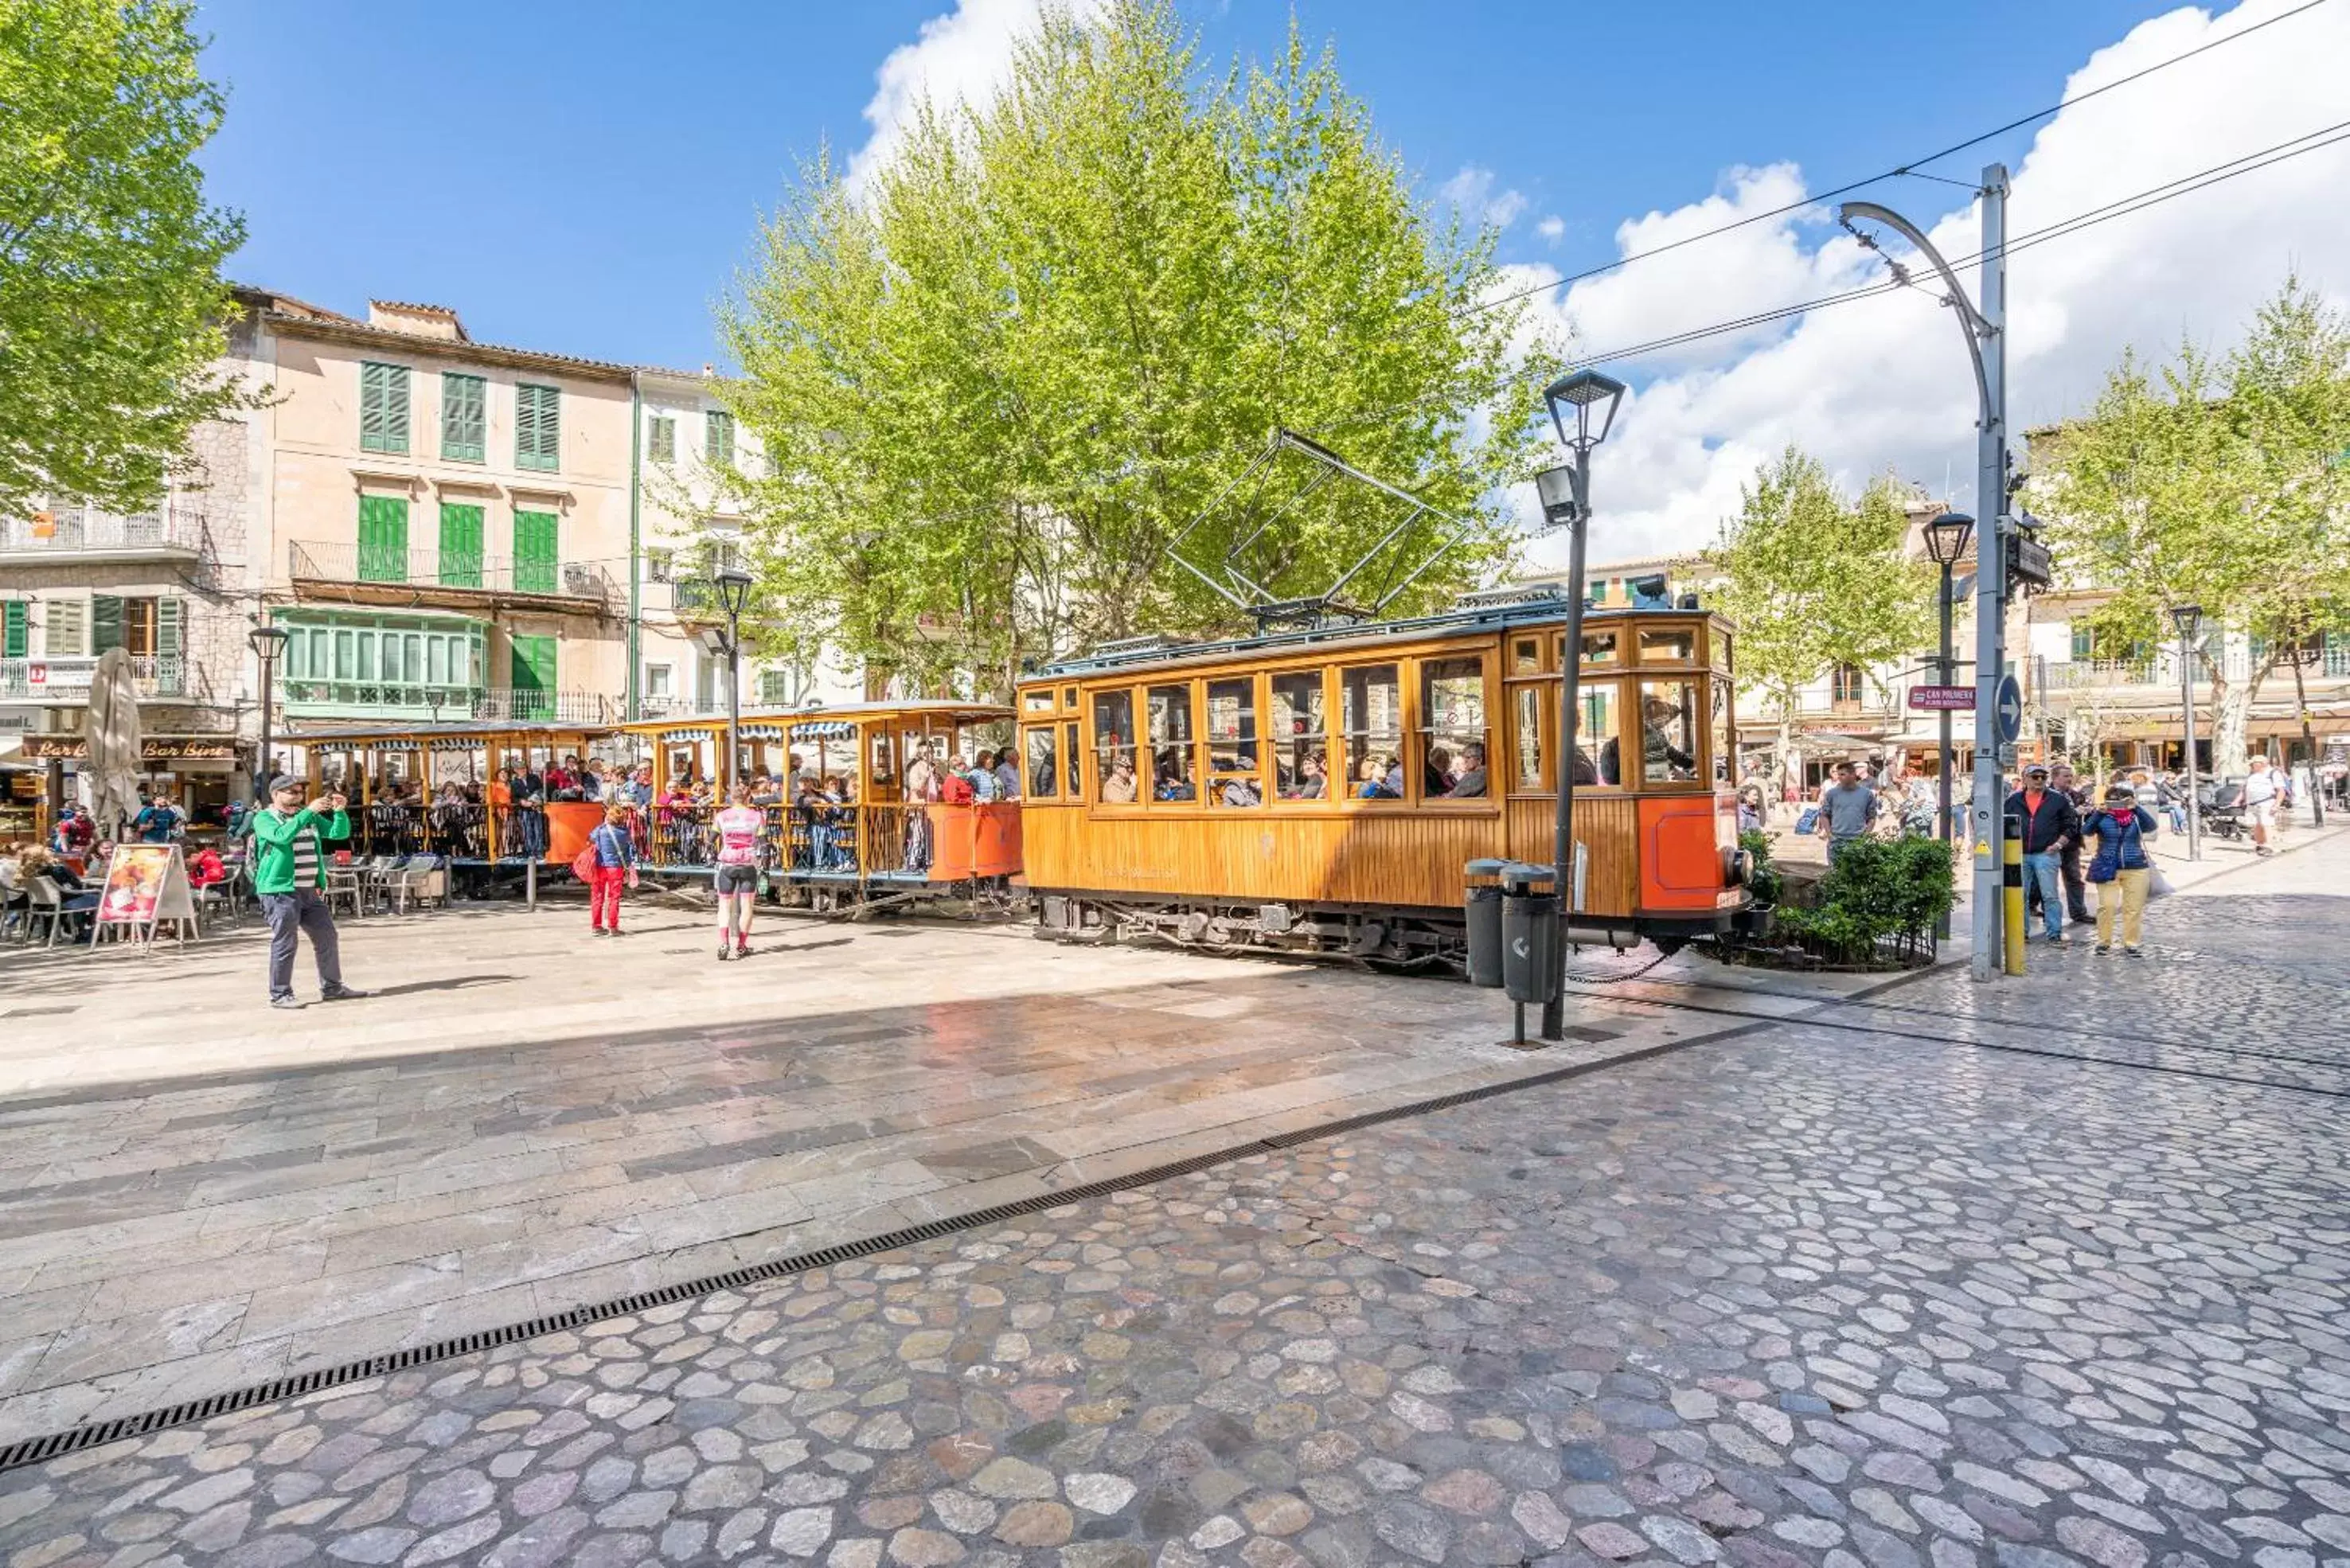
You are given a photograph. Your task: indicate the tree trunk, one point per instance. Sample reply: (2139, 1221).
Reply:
(1789, 774)
(2231, 716)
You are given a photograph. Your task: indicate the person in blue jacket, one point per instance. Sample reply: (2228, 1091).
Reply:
(2120, 868)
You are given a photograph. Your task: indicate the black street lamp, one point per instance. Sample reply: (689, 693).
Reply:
(1947, 537)
(267, 642)
(2189, 620)
(1566, 495)
(733, 591)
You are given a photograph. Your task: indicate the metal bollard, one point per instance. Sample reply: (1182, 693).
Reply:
(2012, 896)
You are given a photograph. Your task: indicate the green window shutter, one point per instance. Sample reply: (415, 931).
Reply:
(105, 622)
(383, 408)
(465, 418)
(664, 441)
(538, 427)
(13, 621)
(534, 677)
(460, 546)
(719, 438)
(66, 626)
(2081, 645)
(383, 539)
(171, 620)
(533, 552)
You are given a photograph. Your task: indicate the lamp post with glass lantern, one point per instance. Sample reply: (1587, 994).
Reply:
(1566, 495)
(267, 642)
(733, 591)
(1946, 543)
(2189, 620)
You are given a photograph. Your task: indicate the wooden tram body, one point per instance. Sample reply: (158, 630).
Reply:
(485, 833)
(873, 846)
(1169, 791)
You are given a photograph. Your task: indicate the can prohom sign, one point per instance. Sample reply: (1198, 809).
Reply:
(1942, 699)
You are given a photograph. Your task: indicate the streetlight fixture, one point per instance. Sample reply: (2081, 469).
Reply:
(1566, 495)
(1982, 321)
(1947, 537)
(2188, 620)
(733, 591)
(267, 642)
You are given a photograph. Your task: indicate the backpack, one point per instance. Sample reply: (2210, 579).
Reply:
(1809, 822)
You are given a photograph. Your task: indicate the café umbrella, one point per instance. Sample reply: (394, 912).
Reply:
(111, 771)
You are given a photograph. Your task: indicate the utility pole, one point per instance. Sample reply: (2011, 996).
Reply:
(1990, 577)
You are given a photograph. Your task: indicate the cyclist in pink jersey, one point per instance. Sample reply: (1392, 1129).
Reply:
(737, 878)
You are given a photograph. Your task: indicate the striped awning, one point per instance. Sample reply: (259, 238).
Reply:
(453, 744)
(822, 730)
(681, 737)
(762, 732)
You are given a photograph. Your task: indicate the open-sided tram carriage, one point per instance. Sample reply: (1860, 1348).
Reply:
(1321, 791)
(870, 848)
(395, 775)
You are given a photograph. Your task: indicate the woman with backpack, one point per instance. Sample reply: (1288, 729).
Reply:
(2120, 868)
(613, 848)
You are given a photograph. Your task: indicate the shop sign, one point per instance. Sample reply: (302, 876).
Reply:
(153, 749)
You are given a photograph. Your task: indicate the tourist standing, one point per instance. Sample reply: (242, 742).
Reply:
(1847, 808)
(736, 877)
(616, 869)
(2260, 794)
(2120, 868)
(2048, 820)
(290, 875)
(2068, 858)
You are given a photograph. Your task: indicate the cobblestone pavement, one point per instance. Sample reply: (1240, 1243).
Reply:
(1810, 1295)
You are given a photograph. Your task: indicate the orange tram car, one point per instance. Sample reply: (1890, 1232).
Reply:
(1321, 791)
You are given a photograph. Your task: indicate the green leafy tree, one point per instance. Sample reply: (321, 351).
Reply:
(995, 381)
(1813, 580)
(2221, 482)
(111, 292)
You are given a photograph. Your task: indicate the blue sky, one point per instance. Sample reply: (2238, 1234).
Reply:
(589, 185)
(586, 178)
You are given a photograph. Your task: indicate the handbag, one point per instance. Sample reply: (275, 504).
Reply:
(2157, 885)
(583, 865)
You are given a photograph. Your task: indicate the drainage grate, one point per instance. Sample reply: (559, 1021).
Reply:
(35, 1450)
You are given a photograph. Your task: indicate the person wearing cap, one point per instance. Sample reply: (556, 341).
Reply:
(2048, 819)
(289, 876)
(2119, 868)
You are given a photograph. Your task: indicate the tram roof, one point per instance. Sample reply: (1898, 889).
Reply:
(513, 731)
(1534, 609)
(837, 713)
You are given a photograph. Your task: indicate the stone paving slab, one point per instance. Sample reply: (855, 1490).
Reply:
(1807, 1295)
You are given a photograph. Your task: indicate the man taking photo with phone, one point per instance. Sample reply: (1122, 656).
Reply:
(290, 875)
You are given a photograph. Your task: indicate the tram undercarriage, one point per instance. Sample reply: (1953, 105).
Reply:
(1413, 939)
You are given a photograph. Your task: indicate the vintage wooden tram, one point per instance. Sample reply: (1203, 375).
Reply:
(866, 845)
(1321, 791)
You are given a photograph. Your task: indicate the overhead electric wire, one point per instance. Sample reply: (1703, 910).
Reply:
(1909, 168)
(2122, 207)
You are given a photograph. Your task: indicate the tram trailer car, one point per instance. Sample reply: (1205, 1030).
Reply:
(1322, 791)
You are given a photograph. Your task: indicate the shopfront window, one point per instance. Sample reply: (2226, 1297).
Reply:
(1301, 743)
(1371, 716)
(1453, 732)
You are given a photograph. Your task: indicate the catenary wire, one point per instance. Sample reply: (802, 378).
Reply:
(1910, 168)
(2122, 207)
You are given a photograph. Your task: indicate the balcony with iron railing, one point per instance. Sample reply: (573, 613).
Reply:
(372, 574)
(78, 532)
(425, 703)
(160, 677)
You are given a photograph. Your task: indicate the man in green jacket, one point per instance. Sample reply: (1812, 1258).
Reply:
(289, 875)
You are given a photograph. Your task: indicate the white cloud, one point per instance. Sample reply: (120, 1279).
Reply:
(1884, 381)
(963, 56)
(1472, 191)
(1553, 228)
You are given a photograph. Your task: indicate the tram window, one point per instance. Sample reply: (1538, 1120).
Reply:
(1723, 747)
(1174, 774)
(1525, 655)
(1370, 718)
(1602, 648)
(884, 771)
(1069, 698)
(1114, 746)
(1668, 720)
(1452, 744)
(1597, 759)
(1070, 751)
(1037, 702)
(1676, 645)
(1043, 767)
(1529, 707)
(1721, 648)
(1232, 743)
(1300, 757)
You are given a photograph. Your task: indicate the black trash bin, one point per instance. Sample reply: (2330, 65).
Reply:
(1529, 931)
(1484, 908)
